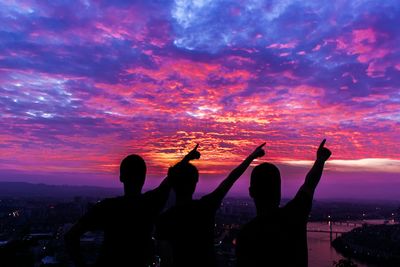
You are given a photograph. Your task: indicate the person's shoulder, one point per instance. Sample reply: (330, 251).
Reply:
(251, 225)
(199, 201)
(304, 194)
(249, 230)
(150, 196)
(172, 211)
(206, 200)
(297, 209)
(204, 204)
(98, 211)
(108, 202)
(302, 198)
(168, 216)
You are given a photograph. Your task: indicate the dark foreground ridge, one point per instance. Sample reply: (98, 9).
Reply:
(377, 244)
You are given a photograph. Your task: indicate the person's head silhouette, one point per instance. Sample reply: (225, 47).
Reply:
(186, 177)
(132, 173)
(265, 186)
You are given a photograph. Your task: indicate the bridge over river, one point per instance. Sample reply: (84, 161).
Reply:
(334, 229)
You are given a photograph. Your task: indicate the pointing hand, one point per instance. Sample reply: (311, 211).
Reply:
(193, 154)
(323, 153)
(258, 152)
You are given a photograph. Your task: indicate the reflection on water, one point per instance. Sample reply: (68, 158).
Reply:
(320, 251)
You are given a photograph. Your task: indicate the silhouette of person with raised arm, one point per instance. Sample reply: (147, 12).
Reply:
(278, 235)
(189, 225)
(127, 221)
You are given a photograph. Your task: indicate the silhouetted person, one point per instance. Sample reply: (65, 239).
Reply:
(278, 235)
(127, 221)
(189, 225)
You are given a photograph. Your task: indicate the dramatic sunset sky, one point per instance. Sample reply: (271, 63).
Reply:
(84, 83)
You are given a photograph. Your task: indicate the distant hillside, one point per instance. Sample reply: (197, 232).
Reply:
(378, 244)
(21, 189)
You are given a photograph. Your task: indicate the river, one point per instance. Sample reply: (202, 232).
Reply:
(320, 251)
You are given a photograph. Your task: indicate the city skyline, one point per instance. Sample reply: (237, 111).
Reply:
(83, 85)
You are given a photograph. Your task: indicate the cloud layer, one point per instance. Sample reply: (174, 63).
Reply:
(83, 84)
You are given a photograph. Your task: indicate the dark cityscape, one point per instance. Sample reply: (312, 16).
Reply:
(32, 229)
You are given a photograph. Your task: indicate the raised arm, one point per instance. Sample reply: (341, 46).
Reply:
(314, 175)
(219, 193)
(193, 154)
(162, 191)
(92, 220)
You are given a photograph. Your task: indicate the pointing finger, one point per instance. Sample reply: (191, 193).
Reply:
(322, 144)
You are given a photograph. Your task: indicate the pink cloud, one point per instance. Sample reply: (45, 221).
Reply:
(284, 45)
